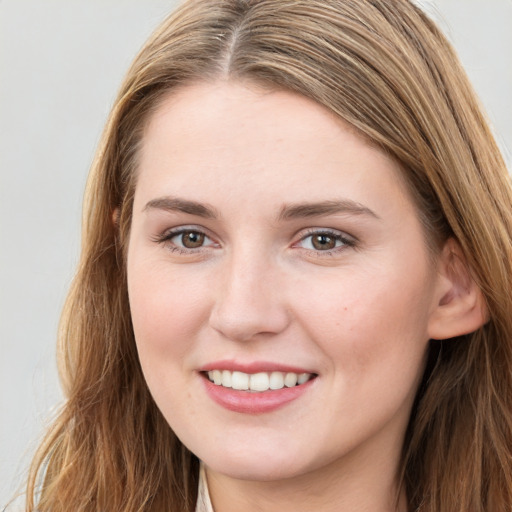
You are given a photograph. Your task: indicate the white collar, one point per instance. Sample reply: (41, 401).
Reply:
(204, 503)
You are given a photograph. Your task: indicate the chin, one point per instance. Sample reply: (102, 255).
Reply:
(262, 465)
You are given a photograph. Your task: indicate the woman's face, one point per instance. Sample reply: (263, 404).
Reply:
(272, 247)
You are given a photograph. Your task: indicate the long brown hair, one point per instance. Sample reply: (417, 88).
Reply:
(385, 68)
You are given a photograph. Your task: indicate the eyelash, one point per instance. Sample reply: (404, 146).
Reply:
(338, 236)
(166, 239)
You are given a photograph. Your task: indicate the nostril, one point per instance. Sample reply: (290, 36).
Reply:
(249, 325)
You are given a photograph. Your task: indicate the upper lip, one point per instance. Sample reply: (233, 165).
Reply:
(253, 367)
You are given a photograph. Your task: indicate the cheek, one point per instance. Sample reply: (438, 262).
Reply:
(370, 321)
(166, 308)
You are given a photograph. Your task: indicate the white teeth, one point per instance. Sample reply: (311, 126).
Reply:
(290, 380)
(303, 377)
(240, 381)
(226, 378)
(217, 377)
(257, 382)
(276, 380)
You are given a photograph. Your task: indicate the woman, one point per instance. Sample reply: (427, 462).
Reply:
(296, 270)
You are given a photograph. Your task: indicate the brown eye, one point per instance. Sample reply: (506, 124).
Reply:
(192, 239)
(326, 241)
(323, 242)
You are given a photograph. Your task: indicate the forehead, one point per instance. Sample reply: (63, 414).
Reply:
(216, 138)
(227, 105)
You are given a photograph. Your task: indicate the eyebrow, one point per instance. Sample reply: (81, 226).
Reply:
(287, 212)
(342, 206)
(175, 204)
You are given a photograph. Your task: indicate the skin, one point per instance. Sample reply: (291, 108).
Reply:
(358, 316)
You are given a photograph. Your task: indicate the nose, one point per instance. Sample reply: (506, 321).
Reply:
(250, 300)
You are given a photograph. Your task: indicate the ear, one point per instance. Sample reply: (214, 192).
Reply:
(459, 306)
(116, 214)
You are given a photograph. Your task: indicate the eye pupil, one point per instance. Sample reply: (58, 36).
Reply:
(192, 239)
(323, 242)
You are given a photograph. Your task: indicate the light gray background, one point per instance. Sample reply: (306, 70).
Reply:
(61, 62)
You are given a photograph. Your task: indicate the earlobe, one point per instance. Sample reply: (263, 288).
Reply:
(459, 306)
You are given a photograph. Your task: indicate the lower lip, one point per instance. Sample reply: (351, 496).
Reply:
(254, 402)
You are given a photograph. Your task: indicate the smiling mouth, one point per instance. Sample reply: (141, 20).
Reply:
(257, 382)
